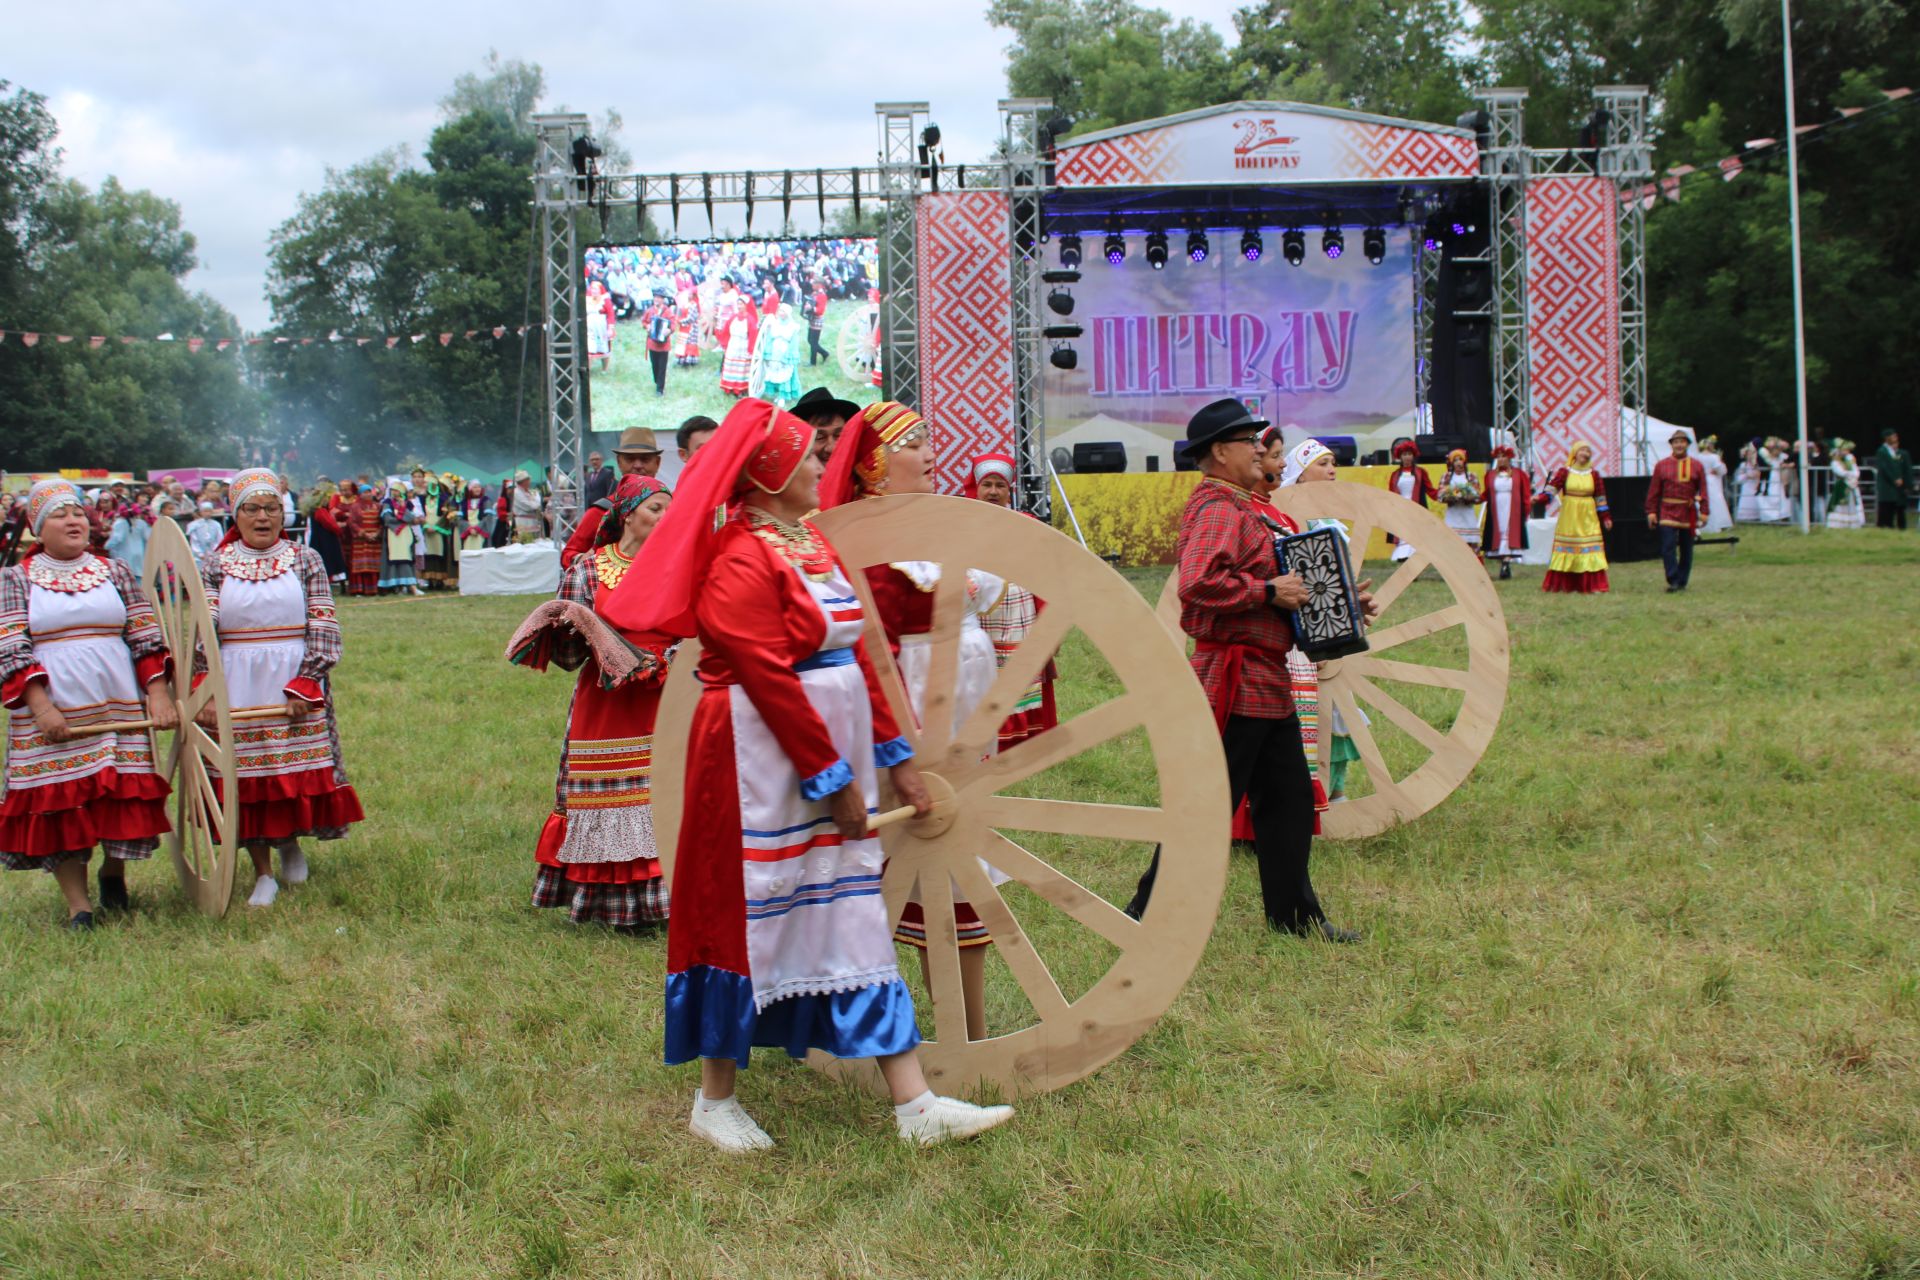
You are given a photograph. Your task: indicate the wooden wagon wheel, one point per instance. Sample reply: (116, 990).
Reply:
(204, 842)
(855, 345)
(1364, 679)
(1157, 954)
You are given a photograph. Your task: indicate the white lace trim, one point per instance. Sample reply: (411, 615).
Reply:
(825, 986)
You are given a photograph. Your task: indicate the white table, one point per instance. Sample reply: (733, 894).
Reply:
(513, 570)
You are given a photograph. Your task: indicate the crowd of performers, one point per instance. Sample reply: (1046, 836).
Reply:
(86, 678)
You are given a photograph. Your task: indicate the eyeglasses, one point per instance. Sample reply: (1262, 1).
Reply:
(258, 509)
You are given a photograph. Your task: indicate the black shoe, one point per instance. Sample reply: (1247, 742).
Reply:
(113, 894)
(80, 921)
(1506, 571)
(1671, 588)
(1334, 933)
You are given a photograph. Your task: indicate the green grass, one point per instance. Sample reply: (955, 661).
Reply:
(623, 394)
(1641, 999)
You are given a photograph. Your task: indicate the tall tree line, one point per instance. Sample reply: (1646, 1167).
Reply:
(1719, 273)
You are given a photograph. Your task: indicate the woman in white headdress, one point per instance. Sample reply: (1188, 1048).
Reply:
(1312, 462)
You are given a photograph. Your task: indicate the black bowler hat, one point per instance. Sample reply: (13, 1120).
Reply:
(820, 402)
(1215, 421)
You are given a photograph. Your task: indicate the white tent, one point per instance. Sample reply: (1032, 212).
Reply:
(1637, 456)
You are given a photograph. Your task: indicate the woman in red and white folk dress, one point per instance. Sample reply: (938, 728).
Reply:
(1411, 482)
(736, 335)
(79, 647)
(1503, 536)
(990, 480)
(273, 612)
(596, 855)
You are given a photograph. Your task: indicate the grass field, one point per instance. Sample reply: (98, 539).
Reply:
(1641, 1000)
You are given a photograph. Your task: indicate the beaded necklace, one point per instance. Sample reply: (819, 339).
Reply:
(83, 573)
(249, 564)
(610, 566)
(798, 543)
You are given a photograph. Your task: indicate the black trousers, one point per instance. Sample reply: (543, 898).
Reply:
(1892, 514)
(1676, 552)
(816, 352)
(1267, 765)
(659, 361)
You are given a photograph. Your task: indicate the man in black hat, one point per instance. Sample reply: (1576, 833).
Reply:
(1232, 598)
(827, 415)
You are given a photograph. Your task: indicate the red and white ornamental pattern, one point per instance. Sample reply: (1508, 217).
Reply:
(1133, 159)
(1573, 318)
(1375, 151)
(966, 328)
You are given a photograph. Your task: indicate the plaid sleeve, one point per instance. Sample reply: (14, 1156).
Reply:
(17, 666)
(323, 627)
(151, 659)
(212, 574)
(570, 649)
(1211, 544)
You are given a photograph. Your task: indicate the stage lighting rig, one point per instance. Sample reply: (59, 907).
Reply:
(1250, 246)
(1433, 235)
(1333, 242)
(1196, 246)
(1374, 244)
(1293, 246)
(1061, 332)
(1059, 301)
(1157, 249)
(1070, 250)
(1116, 248)
(1064, 357)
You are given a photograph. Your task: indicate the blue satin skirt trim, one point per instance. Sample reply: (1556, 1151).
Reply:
(891, 752)
(829, 780)
(827, 658)
(710, 1014)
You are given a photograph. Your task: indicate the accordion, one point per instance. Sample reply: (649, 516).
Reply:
(1331, 624)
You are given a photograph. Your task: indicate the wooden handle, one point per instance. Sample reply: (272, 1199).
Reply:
(137, 726)
(887, 819)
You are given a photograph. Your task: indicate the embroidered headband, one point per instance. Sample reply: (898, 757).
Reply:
(47, 497)
(252, 481)
(1299, 458)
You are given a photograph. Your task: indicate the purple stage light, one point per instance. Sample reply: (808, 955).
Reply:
(1115, 257)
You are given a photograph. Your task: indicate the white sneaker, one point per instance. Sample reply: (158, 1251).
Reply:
(947, 1119)
(293, 863)
(728, 1126)
(265, 890)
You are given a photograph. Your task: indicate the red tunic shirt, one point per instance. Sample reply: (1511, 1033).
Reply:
(1226, 559)
(1677, 497)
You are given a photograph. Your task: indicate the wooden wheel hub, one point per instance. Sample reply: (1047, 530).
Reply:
(946, 807)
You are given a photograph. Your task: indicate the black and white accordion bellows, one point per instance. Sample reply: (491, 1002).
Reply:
(1331, 624)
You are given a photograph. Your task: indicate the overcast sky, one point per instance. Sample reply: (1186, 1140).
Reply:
(234, 110)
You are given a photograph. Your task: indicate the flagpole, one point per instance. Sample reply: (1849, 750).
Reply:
(1799, 300)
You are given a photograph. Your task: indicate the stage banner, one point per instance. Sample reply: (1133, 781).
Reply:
(1286, 144)
(966, 328)
(1573, 319)
(1324, 349)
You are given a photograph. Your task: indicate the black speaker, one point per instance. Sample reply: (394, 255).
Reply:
(1436, 445)
(1345, 452)
(1632, 537)
(1099, 456)
(1181, 462)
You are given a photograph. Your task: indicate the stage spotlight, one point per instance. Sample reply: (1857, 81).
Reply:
(1070, 250)
(1333, 242)
(1157, 249)
(1064, 357)
(1196, 246)
(1060, 302)
(1433, 234)
(1375, 245)
(1250, 246)
(1293, 246)
(1116, 249)
(930, 135)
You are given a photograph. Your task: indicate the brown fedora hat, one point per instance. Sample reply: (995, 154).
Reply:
(637, 440)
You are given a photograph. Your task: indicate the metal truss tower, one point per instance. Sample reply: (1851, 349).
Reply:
(901, 124)
(1426, 296)
(557, 192)
(1505, 164)
(1024, 179)
(1626, 158)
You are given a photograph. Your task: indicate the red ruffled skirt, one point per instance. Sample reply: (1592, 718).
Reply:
(290, 805)
(1575, 583)
(65, 817)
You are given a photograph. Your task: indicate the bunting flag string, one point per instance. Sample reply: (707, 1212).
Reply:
(195, 345)
(1667, 186)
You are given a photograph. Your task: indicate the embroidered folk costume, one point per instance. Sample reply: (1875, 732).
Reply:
(1503, 533)
(80, 630)
(1008, 623)
(1719, 515)
(273, 612)
(1412, 483)
(397, 519)
(1306, 674)
(1459, 493)
(367, 544)
(1579, 563)
(1845, 507)
(1676, 504)
(596, 854)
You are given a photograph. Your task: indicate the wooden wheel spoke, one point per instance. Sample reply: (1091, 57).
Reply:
(897, 885)
(1424, 625)
(943, 955)
(1364, 664)
(1074, 818)
(1377, 772)
(1014, 946)
(196, 700)
(943, 659)
(1073, 898)
(1402, 715)
(1359, 534)
(982, 729)
(192, 824)
(1401, 578)
(1081, 734)
(880, 653)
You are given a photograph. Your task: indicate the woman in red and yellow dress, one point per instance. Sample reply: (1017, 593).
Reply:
(273, 611)
(1579, 563)
(779, 930)
(596, 855)
(79, 648)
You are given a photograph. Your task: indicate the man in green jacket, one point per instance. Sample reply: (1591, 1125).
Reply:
(1893, 481)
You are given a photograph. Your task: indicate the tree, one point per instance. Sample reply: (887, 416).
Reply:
(1392, 57)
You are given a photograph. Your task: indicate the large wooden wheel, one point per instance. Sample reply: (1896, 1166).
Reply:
(1068, 1038)
(858, 343)
(204, 842)
(1440, 738)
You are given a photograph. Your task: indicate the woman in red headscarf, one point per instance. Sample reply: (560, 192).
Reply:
(596, 854)
(990, 480)
(368, 540)
(1503, 533)
(1412, 483)
(779, 930)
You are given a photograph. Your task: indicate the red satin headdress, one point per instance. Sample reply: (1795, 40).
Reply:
(1406, 448)
(858, 468)
(658, 593)
(987, 464)
(1504, 451)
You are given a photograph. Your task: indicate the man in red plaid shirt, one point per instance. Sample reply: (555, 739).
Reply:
(1232, 598)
